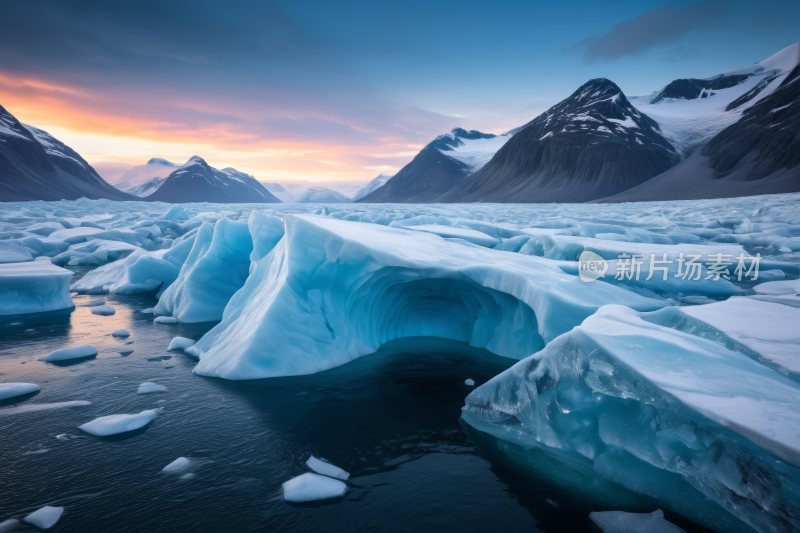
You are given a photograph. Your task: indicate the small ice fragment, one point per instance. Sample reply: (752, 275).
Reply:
(148, 387)
(121, 333)
(15, 324)
(622, 522)
(310, 487)
(115, 424)
(785, 249)
(8, 525)
(103, 310)
(187, 477)
(125, 352)
(166, 320)
(551, 502)
(469, 382)
(148, 311)
(44, 518)
(180, 343)
(11, 390)
(36, 452)
(178, 466)
(326, 469)
(78, 352)
(92, 303)
(73, 294)
(166, 363)
(62, 436)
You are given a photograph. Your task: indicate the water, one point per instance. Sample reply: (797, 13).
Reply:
(391, 419)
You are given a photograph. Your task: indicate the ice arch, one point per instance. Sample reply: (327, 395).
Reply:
(331, 291)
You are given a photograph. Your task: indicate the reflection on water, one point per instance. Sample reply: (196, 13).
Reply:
(391, 419)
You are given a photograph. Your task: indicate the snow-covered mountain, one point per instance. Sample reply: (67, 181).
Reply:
(309, 192)
(133, 179)
(143, 190)
(373, 184)
(34, 165)
(441, 165)
(590, 145)
(196, 181)
(690, 112)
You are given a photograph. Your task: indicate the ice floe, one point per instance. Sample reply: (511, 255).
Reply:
(34, 287)
(12, 390)
(8, 525)
(178, 466)
(103, 310)
(116, 424)
(327, 469)
(165, 320)
(312, 487)
(123, 333)
(180, 343)
(67, 354)
(149, 388)
(45, 518)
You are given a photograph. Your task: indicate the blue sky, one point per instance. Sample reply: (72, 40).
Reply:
(344, 90)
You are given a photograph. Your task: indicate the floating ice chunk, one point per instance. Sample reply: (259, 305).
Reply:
(469, 382)
(165, 320)
(14, 253)
(34, 287)
(149, 388)
(148, 311)
(34, 407)
(310, 487)
(215, 269)
(187, 477)
(332, 291)
(327, 469)
(66, 354)
(647, 405)
(782, 292)
(103, 310)
(92, 303)
(45, 518)
(116, 424)
(139, 272)
(178, 466)
(768, 328)
(121, 333)
(8, 525)
(11, 390)
(180, 343)
(621, 522)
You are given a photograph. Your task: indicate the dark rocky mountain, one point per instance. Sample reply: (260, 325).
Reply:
(689, 89)
(590, 145)
(196, 181)
(437, 168)
(36, 166)
(759, 154)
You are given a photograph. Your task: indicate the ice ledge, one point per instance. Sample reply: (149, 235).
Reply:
(332, 291)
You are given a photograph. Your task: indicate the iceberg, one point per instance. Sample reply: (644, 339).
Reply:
(149, 388)
(115, 424)
(12, 390)
(180, 343)
(310, 487)
(67, 354)
(45, 518)
(332, 291)
(327, 469)
(214, 270)
(178, 466)
(655, 409)
(103, 310)
(622, 522)
(33, 287)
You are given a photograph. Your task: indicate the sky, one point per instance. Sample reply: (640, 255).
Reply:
(321, 90)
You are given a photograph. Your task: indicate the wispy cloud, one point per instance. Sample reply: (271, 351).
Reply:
(664, 25)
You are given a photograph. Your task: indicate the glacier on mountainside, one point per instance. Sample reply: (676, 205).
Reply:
(332, 291)
(660, 411)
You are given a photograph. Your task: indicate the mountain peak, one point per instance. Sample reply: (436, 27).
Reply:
(160, 161)
(195, 160)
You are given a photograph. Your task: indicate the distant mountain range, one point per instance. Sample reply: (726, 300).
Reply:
(197, 181)
(36, 166)
(733, 134)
